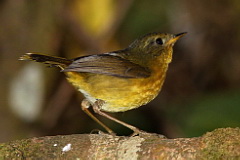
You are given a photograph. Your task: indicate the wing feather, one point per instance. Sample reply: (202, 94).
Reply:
(108, 64)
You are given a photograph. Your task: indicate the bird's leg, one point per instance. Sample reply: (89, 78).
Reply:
(85, 105)
(97, 109)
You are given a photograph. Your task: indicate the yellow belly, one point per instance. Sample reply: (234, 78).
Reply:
(120, 94)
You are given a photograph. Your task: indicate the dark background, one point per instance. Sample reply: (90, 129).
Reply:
(201, 91)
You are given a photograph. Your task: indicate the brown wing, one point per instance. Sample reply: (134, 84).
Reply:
(108, 64)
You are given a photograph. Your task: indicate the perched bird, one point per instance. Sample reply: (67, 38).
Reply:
(118, 81)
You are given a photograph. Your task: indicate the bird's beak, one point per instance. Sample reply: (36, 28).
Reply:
(176, 37)
(179, 35)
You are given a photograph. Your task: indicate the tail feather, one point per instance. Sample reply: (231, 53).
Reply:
(52, 61)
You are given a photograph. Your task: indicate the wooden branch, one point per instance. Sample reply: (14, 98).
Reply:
(221, 143)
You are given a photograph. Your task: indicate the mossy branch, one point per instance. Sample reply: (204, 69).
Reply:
(221, 143)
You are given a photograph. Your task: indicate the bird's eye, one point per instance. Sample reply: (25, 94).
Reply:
(159, 41)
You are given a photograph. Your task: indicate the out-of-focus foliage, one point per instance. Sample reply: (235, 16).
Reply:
(201, 91)
(206, 112)
(94, 16)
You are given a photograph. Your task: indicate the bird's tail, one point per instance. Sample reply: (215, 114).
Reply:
(52, 61)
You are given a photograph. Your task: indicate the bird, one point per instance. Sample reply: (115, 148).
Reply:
(117, 81)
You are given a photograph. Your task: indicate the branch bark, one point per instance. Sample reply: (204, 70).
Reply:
(223, 143)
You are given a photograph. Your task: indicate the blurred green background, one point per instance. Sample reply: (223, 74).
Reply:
(201, 91)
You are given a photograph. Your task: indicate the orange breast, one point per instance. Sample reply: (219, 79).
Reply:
(120, 94)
